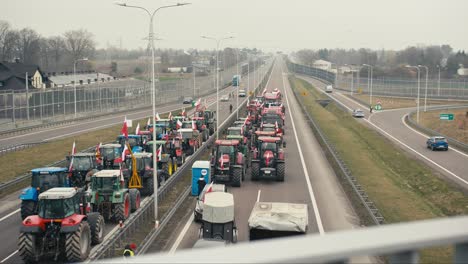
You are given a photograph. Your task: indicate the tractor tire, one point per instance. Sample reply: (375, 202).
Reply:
(135, 199)
(27, 208)
(78, 243)
(122, 210)
(236, 177)
(280, 168)
(148, 187)
(96, 224)
(28, 248)
(174, 163)
(255, 171)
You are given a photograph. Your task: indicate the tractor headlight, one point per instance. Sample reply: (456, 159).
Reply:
(117, 195)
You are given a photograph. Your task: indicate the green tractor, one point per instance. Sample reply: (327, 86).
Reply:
(63, 229)
(110, 197)
(239, 134)
(165, 164)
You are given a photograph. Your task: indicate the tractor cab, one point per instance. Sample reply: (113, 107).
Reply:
(242, 136)
(268, 159)
(227, 162)
(187, 124)
(165, 163)
(83, 165)
(272, 97)
(191, 140)
(135, 142)
(144, 162)
(111, 156)
(42, 180)
(238, 124)
(138, 172)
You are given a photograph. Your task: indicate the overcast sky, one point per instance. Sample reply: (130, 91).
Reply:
(266, 24)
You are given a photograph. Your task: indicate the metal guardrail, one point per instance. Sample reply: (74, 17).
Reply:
(13, 148)
(372, 210)
(146, 211)
(460, 145)
(400, 242)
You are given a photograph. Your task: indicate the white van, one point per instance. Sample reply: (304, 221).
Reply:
(329, 89)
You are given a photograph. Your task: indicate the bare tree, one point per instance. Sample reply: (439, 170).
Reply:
(56, 49)
(4, 29)
(79, 43)
(29, 46)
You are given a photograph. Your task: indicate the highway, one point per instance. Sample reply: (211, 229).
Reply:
(390, 123)
(309, 179)
(9, 212)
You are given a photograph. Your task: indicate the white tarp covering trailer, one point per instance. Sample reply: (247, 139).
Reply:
(270, 220)
(218, 217)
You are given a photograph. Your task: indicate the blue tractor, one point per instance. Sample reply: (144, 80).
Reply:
(42, 179)
(135, 142)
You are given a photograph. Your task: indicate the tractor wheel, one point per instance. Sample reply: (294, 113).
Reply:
(254, 171)
(174, 163)
(122, 210)
(135, 199)
(96, 224)
(280, 167)
(148, 187)
(236, 177)
(28, 248)
(27, 208)
(78, 243)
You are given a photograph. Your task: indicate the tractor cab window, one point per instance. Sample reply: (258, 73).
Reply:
(82, 163)
(235, 132)
(104, 183)
(133, 142)
(199, 114)
(45, 181)
(57, 208)
(110, 153)
(226, 150)
(269, 146)
(269, 129)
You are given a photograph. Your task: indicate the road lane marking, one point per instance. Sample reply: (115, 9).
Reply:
(10, 214)
(258, 195)
(181, 235)
(11, 255)
(306, 173)
(426, 136)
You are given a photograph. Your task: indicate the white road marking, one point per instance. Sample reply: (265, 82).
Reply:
(306, 173)
(426, 136)
(8, 215)
(9, 256)
(181, 235)
(258, 195)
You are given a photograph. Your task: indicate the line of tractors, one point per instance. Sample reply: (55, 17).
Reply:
(65, 209)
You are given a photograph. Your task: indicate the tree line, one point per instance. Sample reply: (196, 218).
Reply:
(392, 63)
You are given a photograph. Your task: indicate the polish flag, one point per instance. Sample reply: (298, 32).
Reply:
(197, 103)
(194, 127)
(264, 91)
(159, 153)
(179, 124)
(169, 116)
(209, 189)
(137, 130)
(183, 113)
(157, 117)
(124, 130)
(124, 152)
(98, 151)
(222, 162)
(148, 123)
(72, 153)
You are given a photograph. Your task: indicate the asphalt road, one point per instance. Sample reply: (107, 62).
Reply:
(309, 179)
(390, 123)
(9, 212)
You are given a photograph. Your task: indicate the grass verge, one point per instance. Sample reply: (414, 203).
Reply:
(403, 188)
(395, 102)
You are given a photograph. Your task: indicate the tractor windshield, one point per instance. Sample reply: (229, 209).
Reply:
(141, 163)
(268, 146)
(272, 119)
(133, 141)
(226, 150)
(104, 183)
(110, 153)
(82, 163)
(45, 181)
(58, 208)
(234, 132)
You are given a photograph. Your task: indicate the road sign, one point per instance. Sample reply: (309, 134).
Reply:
(448, 117)
(378, 107)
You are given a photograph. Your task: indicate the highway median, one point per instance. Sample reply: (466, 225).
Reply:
(401, 187)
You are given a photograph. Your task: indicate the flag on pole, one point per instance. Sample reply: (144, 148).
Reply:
(179, 124)
(98, 151)
(159, 153)
(194, 127)
(197, 103)
(137, 130)
(222, 162)
(124, 152)
(170, 116)
(157, 117)
(124, 130)
(264, 91)
(183, 112)
(148, 123)
(209, 189)
(72, 153)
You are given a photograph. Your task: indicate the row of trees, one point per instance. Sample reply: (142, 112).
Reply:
(56, 53)
(390, 62)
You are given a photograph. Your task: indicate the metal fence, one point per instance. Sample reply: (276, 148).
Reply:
(443, 88)
(39, 106)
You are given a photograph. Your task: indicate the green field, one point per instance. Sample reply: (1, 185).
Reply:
(403, 188)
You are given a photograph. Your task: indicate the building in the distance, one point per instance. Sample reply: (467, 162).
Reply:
(13, 76)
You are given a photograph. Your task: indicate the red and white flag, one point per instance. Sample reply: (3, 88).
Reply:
(222, 163)
(183, 112)
(148, 123)
(137, 130)
(179, 124)
(159, 153)
(209, 189)
(124, 152)
(197, 103)
(157, 117)
(169, 116)
(276, 124)
(72, 153)
(124, 130)
(194, 126)
(264, 91)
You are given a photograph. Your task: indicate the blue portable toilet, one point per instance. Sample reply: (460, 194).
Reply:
(200, 168)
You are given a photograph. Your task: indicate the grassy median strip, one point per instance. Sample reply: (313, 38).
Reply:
(21, 162)
(400, 102)
(403, 188)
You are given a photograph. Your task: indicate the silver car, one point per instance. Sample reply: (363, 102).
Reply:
(358, 113)
(225, 98)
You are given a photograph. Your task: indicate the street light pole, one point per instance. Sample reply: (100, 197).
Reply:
(419, 88)
(238, 84)
(438, 82)
(74, 78)
(153, 87)
(370, 72)
(218, 41)
(425, 93)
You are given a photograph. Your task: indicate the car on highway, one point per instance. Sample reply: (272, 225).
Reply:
(437, 142)
(187, 100)
(329, 89)
(358, 113)
(242, 93)
(225, 98)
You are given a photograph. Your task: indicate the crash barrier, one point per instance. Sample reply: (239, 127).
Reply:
(13, 148)
(401, 243)
(385, 86)
(453, 142)
(146, 211)
(334, 157)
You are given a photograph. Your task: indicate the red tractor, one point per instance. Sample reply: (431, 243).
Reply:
(227, 162)
(64, 228)
(268, 159)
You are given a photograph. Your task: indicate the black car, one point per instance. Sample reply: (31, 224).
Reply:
(187, 100)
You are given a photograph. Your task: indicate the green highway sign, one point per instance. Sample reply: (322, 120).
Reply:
(448, 117)
(378, 107)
